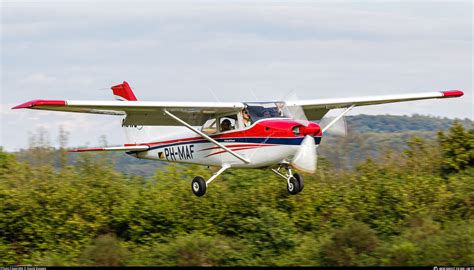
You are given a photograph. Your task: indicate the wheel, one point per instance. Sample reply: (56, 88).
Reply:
(300, 180)
(293, 186)
(198, 185)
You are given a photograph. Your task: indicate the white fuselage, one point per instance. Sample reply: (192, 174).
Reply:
(263, 145)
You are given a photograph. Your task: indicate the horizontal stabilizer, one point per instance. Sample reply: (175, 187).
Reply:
(118, 148)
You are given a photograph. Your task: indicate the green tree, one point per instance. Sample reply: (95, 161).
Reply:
(105, 250)
(351, 245)
(194, 249)
(457, 148)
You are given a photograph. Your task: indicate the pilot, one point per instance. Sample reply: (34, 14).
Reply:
(226, 125)
(280, 109)
(246, 118)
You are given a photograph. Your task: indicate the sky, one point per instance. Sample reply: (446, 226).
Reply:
(226, 51)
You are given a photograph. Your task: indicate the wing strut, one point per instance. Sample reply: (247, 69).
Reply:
(206, 137)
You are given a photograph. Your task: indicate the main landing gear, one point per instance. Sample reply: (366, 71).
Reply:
(199, 186)
(295, 182)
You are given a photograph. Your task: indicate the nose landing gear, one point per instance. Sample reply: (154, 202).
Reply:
(295, 182)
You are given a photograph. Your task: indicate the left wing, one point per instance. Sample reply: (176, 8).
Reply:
(315, 109)
(140, 112)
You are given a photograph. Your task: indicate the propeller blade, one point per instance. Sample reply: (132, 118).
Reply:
(334, 124)
(296, 112)
(338, 128)
(306, 156)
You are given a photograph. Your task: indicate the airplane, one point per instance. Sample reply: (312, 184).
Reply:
(275, 135)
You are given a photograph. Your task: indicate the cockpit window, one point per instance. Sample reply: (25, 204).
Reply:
(227, 123)
(210, 126)
(259, 111)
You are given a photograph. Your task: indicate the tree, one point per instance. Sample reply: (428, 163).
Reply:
(40, 151)
(457, 147)
(105, 250)
(350, 245)
(63, 139)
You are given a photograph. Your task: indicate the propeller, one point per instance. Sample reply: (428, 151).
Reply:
(295, 112)
(306, 157)
(332, 122)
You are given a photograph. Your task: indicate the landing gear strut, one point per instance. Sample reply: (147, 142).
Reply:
(295, 182)
(199, 186)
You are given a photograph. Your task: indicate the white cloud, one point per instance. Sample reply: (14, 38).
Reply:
(36, 79)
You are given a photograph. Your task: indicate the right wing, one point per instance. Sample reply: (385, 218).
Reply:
(140, 112)
(315, 109)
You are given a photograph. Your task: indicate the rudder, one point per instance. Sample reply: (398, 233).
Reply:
(123, 92)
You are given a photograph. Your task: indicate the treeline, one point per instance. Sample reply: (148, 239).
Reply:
(364, 123)
(404, 208)
(368, 137)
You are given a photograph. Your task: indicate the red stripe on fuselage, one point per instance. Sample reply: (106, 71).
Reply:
(269, 128)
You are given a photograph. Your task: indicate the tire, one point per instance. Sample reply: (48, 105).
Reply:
(300, 180)
(293, 186)
(198, 186)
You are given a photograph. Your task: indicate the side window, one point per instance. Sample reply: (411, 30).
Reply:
(227, 123)
(246, 120)
(210, 126)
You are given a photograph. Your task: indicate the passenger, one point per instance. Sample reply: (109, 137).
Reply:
(226, 125)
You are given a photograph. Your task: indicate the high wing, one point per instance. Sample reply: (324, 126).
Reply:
(196, 113)
(315, 109)
(140, 112)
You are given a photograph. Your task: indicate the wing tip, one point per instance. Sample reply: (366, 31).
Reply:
(40, 102)
(452, 93)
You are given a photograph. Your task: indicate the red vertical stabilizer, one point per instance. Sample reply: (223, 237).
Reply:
(124, 92)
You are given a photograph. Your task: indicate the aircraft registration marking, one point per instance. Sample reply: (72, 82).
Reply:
(180, 152)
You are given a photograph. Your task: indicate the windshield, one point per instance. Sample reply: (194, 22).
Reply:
(262, 110)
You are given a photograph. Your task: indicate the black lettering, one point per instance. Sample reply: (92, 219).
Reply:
(191, 150)
(172, 153)
(167, 153)
(181, 152)
(188, 156)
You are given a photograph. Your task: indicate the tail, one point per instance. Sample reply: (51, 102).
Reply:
(123, 92)
(134, 134)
